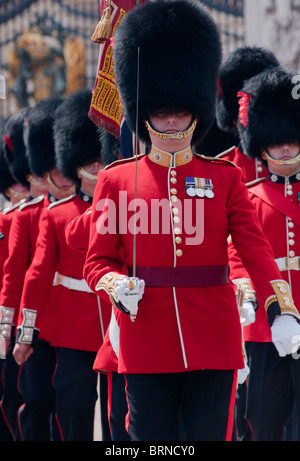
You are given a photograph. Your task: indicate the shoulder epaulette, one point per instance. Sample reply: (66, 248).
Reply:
(255, 182)
(13, 207)
(60, 202)
(225, 152)
(34, 201)
(216, 160)
(123, 160)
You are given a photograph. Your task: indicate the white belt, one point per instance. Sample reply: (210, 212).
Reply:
(71, 284)
(285, 264)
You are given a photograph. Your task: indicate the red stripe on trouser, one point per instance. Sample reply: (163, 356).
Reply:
(59, 427)
(109, 396)
(127, 415)
(6, 421)
(231, 408)
(19, 421)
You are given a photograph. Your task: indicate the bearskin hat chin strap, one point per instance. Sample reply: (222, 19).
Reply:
(178, 135)
(291, 161)
(36, 182)
(82, 172)
(52, 183)
(11, 192)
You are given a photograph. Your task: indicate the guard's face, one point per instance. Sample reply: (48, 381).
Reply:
(19, 189)
(59, 180)
(280, 160)
(93, 168)
(170, 122)
(40, 181)
(284, 152)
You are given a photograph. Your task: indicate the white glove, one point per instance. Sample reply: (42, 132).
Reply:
(285, 334)
(247, 313)
(129, 291)
(243, 373)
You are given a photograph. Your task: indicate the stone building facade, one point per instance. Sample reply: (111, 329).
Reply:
(275, 24)
(46, 49)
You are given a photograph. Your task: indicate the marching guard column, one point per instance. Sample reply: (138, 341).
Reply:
(180, 347)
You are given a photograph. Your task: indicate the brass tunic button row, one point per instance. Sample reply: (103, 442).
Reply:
(289, 190)
(259, 166)
(173, 177)
(291, 236)
(175, 211)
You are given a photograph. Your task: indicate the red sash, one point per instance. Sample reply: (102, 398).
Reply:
(276, 200)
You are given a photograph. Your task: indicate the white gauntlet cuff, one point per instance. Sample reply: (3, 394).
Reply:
(6, 321)
(248, 293)
(27, 333)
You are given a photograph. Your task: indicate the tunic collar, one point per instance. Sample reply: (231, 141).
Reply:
(276, 178)
(170, 160)
(51, 198)
(85, 197)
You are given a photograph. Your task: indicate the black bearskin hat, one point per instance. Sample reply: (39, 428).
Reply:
(179, 58)
(215, 142)
(110, 147)
(240, 65)
(38, 136)
(6, 178)
(14, 147)
(76, 138)
(269, 111)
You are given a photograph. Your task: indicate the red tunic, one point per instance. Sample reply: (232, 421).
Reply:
(22, 242)
(6, 218)
(75, 319)
(177, 328)
(5, 223)
(251, 168)
(77, 236)
(78, 231)
(283, 233)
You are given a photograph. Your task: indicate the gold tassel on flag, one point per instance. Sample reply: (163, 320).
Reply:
(103, 29)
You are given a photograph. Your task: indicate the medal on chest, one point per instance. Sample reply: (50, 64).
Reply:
(199, 187)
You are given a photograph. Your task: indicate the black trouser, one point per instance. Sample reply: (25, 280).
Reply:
(117, 407)
(37, 415)
(205, 398)
(11, 398)
(273, 392)
(5, 434)
(75, 384)
(242, 429)
(103, 393)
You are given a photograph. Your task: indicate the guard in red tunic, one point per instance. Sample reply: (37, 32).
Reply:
(15, 194)
(77, 237)
(25, 225)
(35, 380)
(269, 126)
(180, 334)
(77, 330)
(106, 362)
(242, 64)
(9, 190)
(14, 152)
